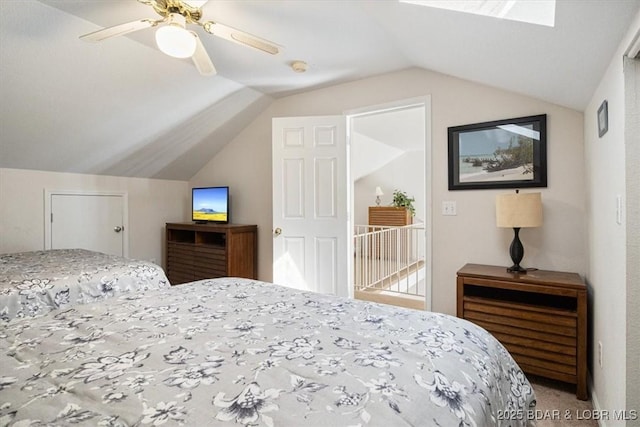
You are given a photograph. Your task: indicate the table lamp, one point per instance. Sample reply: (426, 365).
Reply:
(378, 194)
(518, 210)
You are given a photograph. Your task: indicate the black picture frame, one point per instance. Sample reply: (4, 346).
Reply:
(510, 153)
(603, 118)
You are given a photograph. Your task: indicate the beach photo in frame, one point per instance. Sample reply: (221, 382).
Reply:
(510, 153)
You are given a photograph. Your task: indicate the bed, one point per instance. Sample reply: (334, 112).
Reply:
(233, 351)
(32, 283)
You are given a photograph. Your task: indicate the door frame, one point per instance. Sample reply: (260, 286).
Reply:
(48, 194)
(421, 101)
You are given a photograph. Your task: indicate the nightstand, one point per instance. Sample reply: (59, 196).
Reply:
(540, 317)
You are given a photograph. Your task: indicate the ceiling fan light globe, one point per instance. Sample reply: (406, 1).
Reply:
(175, 41)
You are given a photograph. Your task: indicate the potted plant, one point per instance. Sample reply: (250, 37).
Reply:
(401, 200)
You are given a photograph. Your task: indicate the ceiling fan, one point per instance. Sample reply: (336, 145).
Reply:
(173, 37)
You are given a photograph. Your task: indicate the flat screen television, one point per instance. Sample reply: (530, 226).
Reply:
(210, 204)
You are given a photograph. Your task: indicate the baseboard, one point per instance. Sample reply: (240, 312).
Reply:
(595, 402)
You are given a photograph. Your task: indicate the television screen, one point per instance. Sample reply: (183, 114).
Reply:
(210, 204)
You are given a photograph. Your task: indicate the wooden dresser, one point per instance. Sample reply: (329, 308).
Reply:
(389, 216)
(206, 251)
(540, 317)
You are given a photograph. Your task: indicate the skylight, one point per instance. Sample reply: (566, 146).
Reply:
(540, 12)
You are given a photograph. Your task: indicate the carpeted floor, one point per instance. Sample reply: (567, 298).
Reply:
(557, 405)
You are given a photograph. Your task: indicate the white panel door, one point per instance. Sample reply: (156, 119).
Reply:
(88, 221)
(310, 219)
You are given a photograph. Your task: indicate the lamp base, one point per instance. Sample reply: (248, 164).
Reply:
(516, 251)
(517, 269)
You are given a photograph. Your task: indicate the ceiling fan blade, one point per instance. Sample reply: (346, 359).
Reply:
(119, 30)
(201, 59)
(195, 3)
(240, 37)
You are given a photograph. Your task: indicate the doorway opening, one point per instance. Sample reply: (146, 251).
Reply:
(390, 153)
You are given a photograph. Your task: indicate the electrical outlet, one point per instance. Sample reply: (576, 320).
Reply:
(449, 208)
(600, 353)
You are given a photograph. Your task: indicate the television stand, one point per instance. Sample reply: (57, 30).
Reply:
(210, 250)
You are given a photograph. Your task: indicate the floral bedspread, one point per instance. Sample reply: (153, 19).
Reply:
(32, 283)
(238, 352)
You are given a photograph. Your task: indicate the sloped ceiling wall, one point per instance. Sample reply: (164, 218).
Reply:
(121, 107)
(381, 137)
(75, 115)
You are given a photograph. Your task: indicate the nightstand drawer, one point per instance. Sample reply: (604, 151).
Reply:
(525, 316)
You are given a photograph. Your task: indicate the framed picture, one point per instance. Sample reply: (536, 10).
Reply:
(509, 153)
(603, 118)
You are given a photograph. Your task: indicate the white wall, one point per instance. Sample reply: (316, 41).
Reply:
(471, 236)
(632, 154)
(606, 274)
(152, 203)
(368, 154)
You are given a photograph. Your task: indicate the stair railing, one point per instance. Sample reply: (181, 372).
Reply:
(389, 259)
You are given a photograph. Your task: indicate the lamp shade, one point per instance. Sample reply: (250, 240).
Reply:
(519, 210)
(379, 191)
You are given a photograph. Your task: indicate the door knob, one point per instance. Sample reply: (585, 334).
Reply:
(277, 231)
(117, 228)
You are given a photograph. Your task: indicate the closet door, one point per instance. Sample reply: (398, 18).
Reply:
(88, 221)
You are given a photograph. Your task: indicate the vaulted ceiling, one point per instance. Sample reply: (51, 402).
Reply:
(121, 107)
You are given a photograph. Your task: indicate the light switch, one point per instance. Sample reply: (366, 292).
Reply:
(449, 208)
(619, 209)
